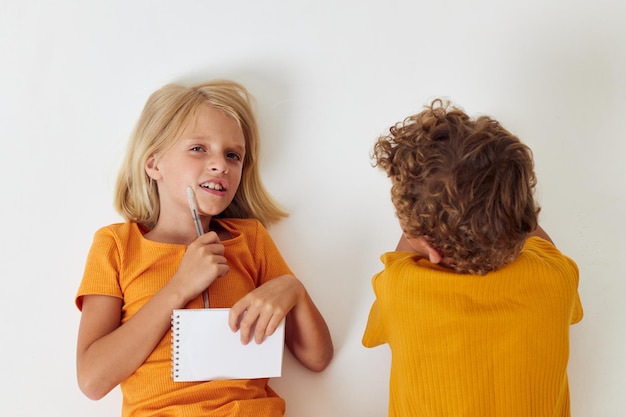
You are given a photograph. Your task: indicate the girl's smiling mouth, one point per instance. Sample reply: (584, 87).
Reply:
(213, 185)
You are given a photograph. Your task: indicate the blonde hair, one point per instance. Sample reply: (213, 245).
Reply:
(164, 116)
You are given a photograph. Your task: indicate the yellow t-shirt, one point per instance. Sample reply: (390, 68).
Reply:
(467, 345)
(122, 263)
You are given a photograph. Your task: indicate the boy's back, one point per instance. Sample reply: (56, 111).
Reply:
(470, 345)
(475, 307)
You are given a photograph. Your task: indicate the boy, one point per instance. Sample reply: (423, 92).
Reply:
(476, 301)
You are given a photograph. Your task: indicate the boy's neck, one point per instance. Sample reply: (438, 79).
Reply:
(421, 246)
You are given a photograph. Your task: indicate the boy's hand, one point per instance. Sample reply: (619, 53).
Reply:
(259, 312)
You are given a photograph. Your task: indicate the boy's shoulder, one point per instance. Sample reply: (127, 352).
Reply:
(535, 251)
(537, 245)
(540, 250)
(401, 259)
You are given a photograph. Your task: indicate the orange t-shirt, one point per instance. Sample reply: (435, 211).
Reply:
(122, 263)
(468, 345)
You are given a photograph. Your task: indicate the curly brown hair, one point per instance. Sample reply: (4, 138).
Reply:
(466, 186)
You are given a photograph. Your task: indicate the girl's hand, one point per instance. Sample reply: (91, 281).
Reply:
(109, 352)
(203, 262)
(259, 312)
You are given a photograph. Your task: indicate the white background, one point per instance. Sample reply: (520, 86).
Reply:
(329, 77)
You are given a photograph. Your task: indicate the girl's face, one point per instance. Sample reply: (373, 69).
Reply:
(208, 157)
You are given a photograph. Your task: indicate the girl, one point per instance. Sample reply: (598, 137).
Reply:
(204, 137)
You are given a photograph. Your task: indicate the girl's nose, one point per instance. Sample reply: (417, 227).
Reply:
(218, 164)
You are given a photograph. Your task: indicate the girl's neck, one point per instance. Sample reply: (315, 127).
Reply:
(183, 234)
(180, 233)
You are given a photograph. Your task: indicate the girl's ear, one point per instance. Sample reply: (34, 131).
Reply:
(152, 169)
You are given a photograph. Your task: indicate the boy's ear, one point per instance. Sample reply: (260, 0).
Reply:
(152, 169)
(434, 256)
(421, 247)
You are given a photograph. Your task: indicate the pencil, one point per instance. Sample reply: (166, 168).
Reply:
(196, 219)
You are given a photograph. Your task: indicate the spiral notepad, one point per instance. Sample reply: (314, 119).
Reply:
(205, 348)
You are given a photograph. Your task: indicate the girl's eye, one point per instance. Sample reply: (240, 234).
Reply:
(197, 149)
(233, 155)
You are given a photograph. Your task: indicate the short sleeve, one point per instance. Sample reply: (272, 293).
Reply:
(563, 263)
(271, 262)
(374, 330)
(577, 311)
(101, 274)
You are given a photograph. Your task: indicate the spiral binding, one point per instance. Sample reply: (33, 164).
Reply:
(175, 345)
